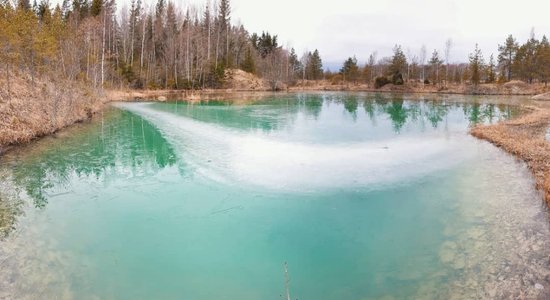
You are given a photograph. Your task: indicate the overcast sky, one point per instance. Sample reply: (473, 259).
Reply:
(344, 28)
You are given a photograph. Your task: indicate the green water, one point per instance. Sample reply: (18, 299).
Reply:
(364, 196)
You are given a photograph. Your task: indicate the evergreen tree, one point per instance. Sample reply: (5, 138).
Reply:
(248, 64)
(295, 65)
(476, 65)
(43, 11)
(314, 66)
(543, 60)
(435, 64)
(224, 19)
(525, 61)
(398, 62)
(507, 55)
(350, 70)
(96, 7)
(81, 8)
(265, 44)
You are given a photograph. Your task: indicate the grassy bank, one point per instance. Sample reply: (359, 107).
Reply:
(525, 138)
(35, 107)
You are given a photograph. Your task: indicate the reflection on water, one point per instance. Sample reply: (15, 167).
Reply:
(284, 109)
(119, 144)
(122, 141)
(365, 196)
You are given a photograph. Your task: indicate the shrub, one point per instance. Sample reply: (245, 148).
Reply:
(397, 79)
(380, 82)
(336, 79)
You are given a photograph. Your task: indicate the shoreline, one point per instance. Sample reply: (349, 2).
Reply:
(220, 94)
(523, 137)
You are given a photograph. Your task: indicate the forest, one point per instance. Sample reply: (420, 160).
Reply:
(161, 46)
(165, 46)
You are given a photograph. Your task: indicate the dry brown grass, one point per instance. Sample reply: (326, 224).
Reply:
(510, 88)
(32, 110)
(524, 137)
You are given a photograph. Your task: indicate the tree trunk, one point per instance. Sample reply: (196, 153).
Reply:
(187, 61)
(103, 52)
(217, 47)
(142, 48)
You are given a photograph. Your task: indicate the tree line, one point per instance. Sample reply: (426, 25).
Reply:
(161, 45)
(142, 46)
(529, 62)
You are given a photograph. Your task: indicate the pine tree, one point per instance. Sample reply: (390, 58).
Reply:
(314, 66)
(248, 63)
(81, 8)
(96, 7)
(435, 64)
(476, 65)
(350, 70)
(525, 61)
(398, 62)
(294, 64)
(507, 55)
(543, 60)
(224, 19)
(265, 44)
(43, 11)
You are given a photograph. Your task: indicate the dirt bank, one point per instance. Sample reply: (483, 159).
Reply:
(39, 107)
(525, 138)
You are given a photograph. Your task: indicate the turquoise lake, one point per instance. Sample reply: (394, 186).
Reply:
(363, 196)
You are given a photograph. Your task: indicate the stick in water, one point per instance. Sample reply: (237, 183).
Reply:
(287, 281)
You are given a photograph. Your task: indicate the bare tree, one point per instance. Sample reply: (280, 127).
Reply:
(448, 46)
(423, 54)
(372, 64)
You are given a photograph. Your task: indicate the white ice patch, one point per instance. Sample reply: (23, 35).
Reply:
(233, 156)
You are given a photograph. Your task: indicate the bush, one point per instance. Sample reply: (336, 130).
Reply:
(136, 84)
(336, 79)
(380, 82)
(397, 79)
